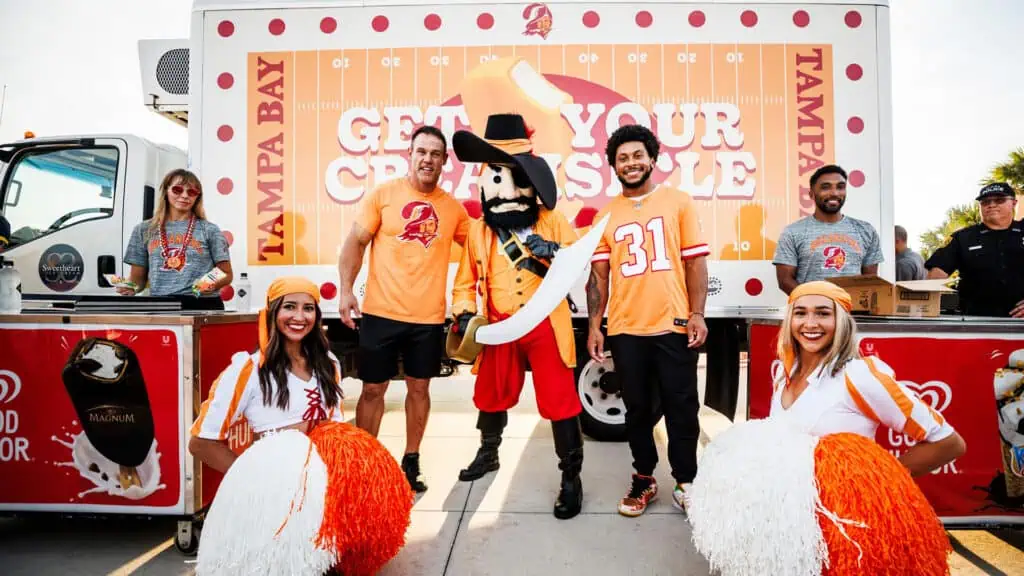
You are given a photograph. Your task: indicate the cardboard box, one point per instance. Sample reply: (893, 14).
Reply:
(878, 297)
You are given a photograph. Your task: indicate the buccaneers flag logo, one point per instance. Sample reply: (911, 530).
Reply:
(539, 20)
(421, 223)
(835, 258)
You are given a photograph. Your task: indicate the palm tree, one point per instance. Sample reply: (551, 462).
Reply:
(957, 217)
(1011, 171)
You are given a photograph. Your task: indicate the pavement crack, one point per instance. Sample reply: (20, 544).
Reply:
(458, 528)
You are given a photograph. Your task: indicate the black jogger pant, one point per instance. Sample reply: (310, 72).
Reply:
(661, 363)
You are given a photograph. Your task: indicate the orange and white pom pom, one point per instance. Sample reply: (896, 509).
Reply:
(369, 502)
(267, 512)
(770, 500)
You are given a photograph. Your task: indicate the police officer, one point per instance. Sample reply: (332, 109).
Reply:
(989, 256)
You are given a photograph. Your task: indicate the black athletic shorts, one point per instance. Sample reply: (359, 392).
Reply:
(381, 340)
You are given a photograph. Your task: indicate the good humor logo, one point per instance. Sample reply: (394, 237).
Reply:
(938, 395)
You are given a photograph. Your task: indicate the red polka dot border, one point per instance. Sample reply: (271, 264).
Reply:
(857, 178)
(225, 133)
(591, 19)
(225, 186)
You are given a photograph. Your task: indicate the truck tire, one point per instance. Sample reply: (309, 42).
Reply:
(604, 413)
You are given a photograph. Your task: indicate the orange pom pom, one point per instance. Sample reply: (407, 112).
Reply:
(369, 502)
(861, 482)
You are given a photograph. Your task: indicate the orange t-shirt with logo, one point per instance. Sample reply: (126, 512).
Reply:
(645, 243)
(409, 254)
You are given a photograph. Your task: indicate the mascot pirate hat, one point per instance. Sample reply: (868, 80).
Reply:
(507, 141)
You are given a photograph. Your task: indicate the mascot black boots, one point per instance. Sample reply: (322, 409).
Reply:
(569, 447)
(490, 424)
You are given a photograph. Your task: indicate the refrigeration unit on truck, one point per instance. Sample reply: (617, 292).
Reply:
(296, 110)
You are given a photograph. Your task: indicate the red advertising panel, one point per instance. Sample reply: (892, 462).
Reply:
(90, 418)
(976, 381)
(219, 342)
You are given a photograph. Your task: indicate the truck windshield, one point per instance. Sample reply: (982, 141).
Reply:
(48, 189)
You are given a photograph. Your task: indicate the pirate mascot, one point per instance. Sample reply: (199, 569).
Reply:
(506, 256)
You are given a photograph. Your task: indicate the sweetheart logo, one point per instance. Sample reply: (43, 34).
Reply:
(61, 267)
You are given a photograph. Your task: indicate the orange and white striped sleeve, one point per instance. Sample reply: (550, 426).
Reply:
(880, 397)
(227, 400)
(691, 239)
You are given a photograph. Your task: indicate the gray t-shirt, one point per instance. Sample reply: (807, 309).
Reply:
(910, 266)
(207, 248)
(821, 250)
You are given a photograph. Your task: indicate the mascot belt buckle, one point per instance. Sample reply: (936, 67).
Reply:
(514, 250)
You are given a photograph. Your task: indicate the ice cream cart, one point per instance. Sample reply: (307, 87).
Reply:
(95, 411)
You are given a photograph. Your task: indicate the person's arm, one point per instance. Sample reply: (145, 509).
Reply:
(697, 291)
(694, 253)
(465, 287)
(873, 252)
(597, 301)
(365, 226)
(137, 256)
(786, 261)
(945, 260)
(877, 393)
(224, 406)
(462, 227)
(218, 246)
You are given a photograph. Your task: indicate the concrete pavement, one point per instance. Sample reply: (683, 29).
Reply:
(500, 525)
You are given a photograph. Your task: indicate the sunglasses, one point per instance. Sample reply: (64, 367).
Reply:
(178, 190)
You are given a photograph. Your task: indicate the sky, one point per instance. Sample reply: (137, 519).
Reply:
(71, 66)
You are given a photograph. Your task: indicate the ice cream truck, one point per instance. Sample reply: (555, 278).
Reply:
(296, 109)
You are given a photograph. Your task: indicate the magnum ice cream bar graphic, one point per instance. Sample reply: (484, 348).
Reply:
(1009, 388)
(104, 381)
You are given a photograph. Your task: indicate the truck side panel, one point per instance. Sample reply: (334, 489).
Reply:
(305, 110)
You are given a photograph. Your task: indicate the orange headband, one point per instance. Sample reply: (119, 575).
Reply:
(817, 288)
(282, 287)
(822, 288)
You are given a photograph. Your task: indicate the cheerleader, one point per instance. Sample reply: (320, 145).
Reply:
(826, 387)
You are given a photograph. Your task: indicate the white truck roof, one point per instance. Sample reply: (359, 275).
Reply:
(203, 5)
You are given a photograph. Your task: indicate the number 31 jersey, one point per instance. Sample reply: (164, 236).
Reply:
(645, 243)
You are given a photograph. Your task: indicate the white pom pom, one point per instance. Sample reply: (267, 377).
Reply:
(269, 482)
(752, 504)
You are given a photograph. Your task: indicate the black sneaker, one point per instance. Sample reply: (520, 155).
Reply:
(411, 467)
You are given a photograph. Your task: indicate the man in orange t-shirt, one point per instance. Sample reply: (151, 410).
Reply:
(654, 253)
(409, 224)
(507, 254)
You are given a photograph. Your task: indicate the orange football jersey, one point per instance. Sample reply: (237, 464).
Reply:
(645, 243)
(411, 247)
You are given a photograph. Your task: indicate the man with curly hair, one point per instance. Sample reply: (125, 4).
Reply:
(654, 255)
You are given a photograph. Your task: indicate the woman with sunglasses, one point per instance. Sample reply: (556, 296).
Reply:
(178, 246)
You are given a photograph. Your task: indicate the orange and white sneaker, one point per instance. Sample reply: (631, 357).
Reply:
(679, 496)
(642, 492)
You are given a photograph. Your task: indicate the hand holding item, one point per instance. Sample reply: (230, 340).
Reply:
(123, 286)
(540, 247)
(208, 283)
(462, 322)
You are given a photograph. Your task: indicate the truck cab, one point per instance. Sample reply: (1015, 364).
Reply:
(72, 203)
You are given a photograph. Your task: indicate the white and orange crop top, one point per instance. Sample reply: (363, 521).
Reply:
(236, 394)
(861, 396)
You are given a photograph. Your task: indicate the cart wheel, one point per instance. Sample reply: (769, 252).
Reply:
(187, 539)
